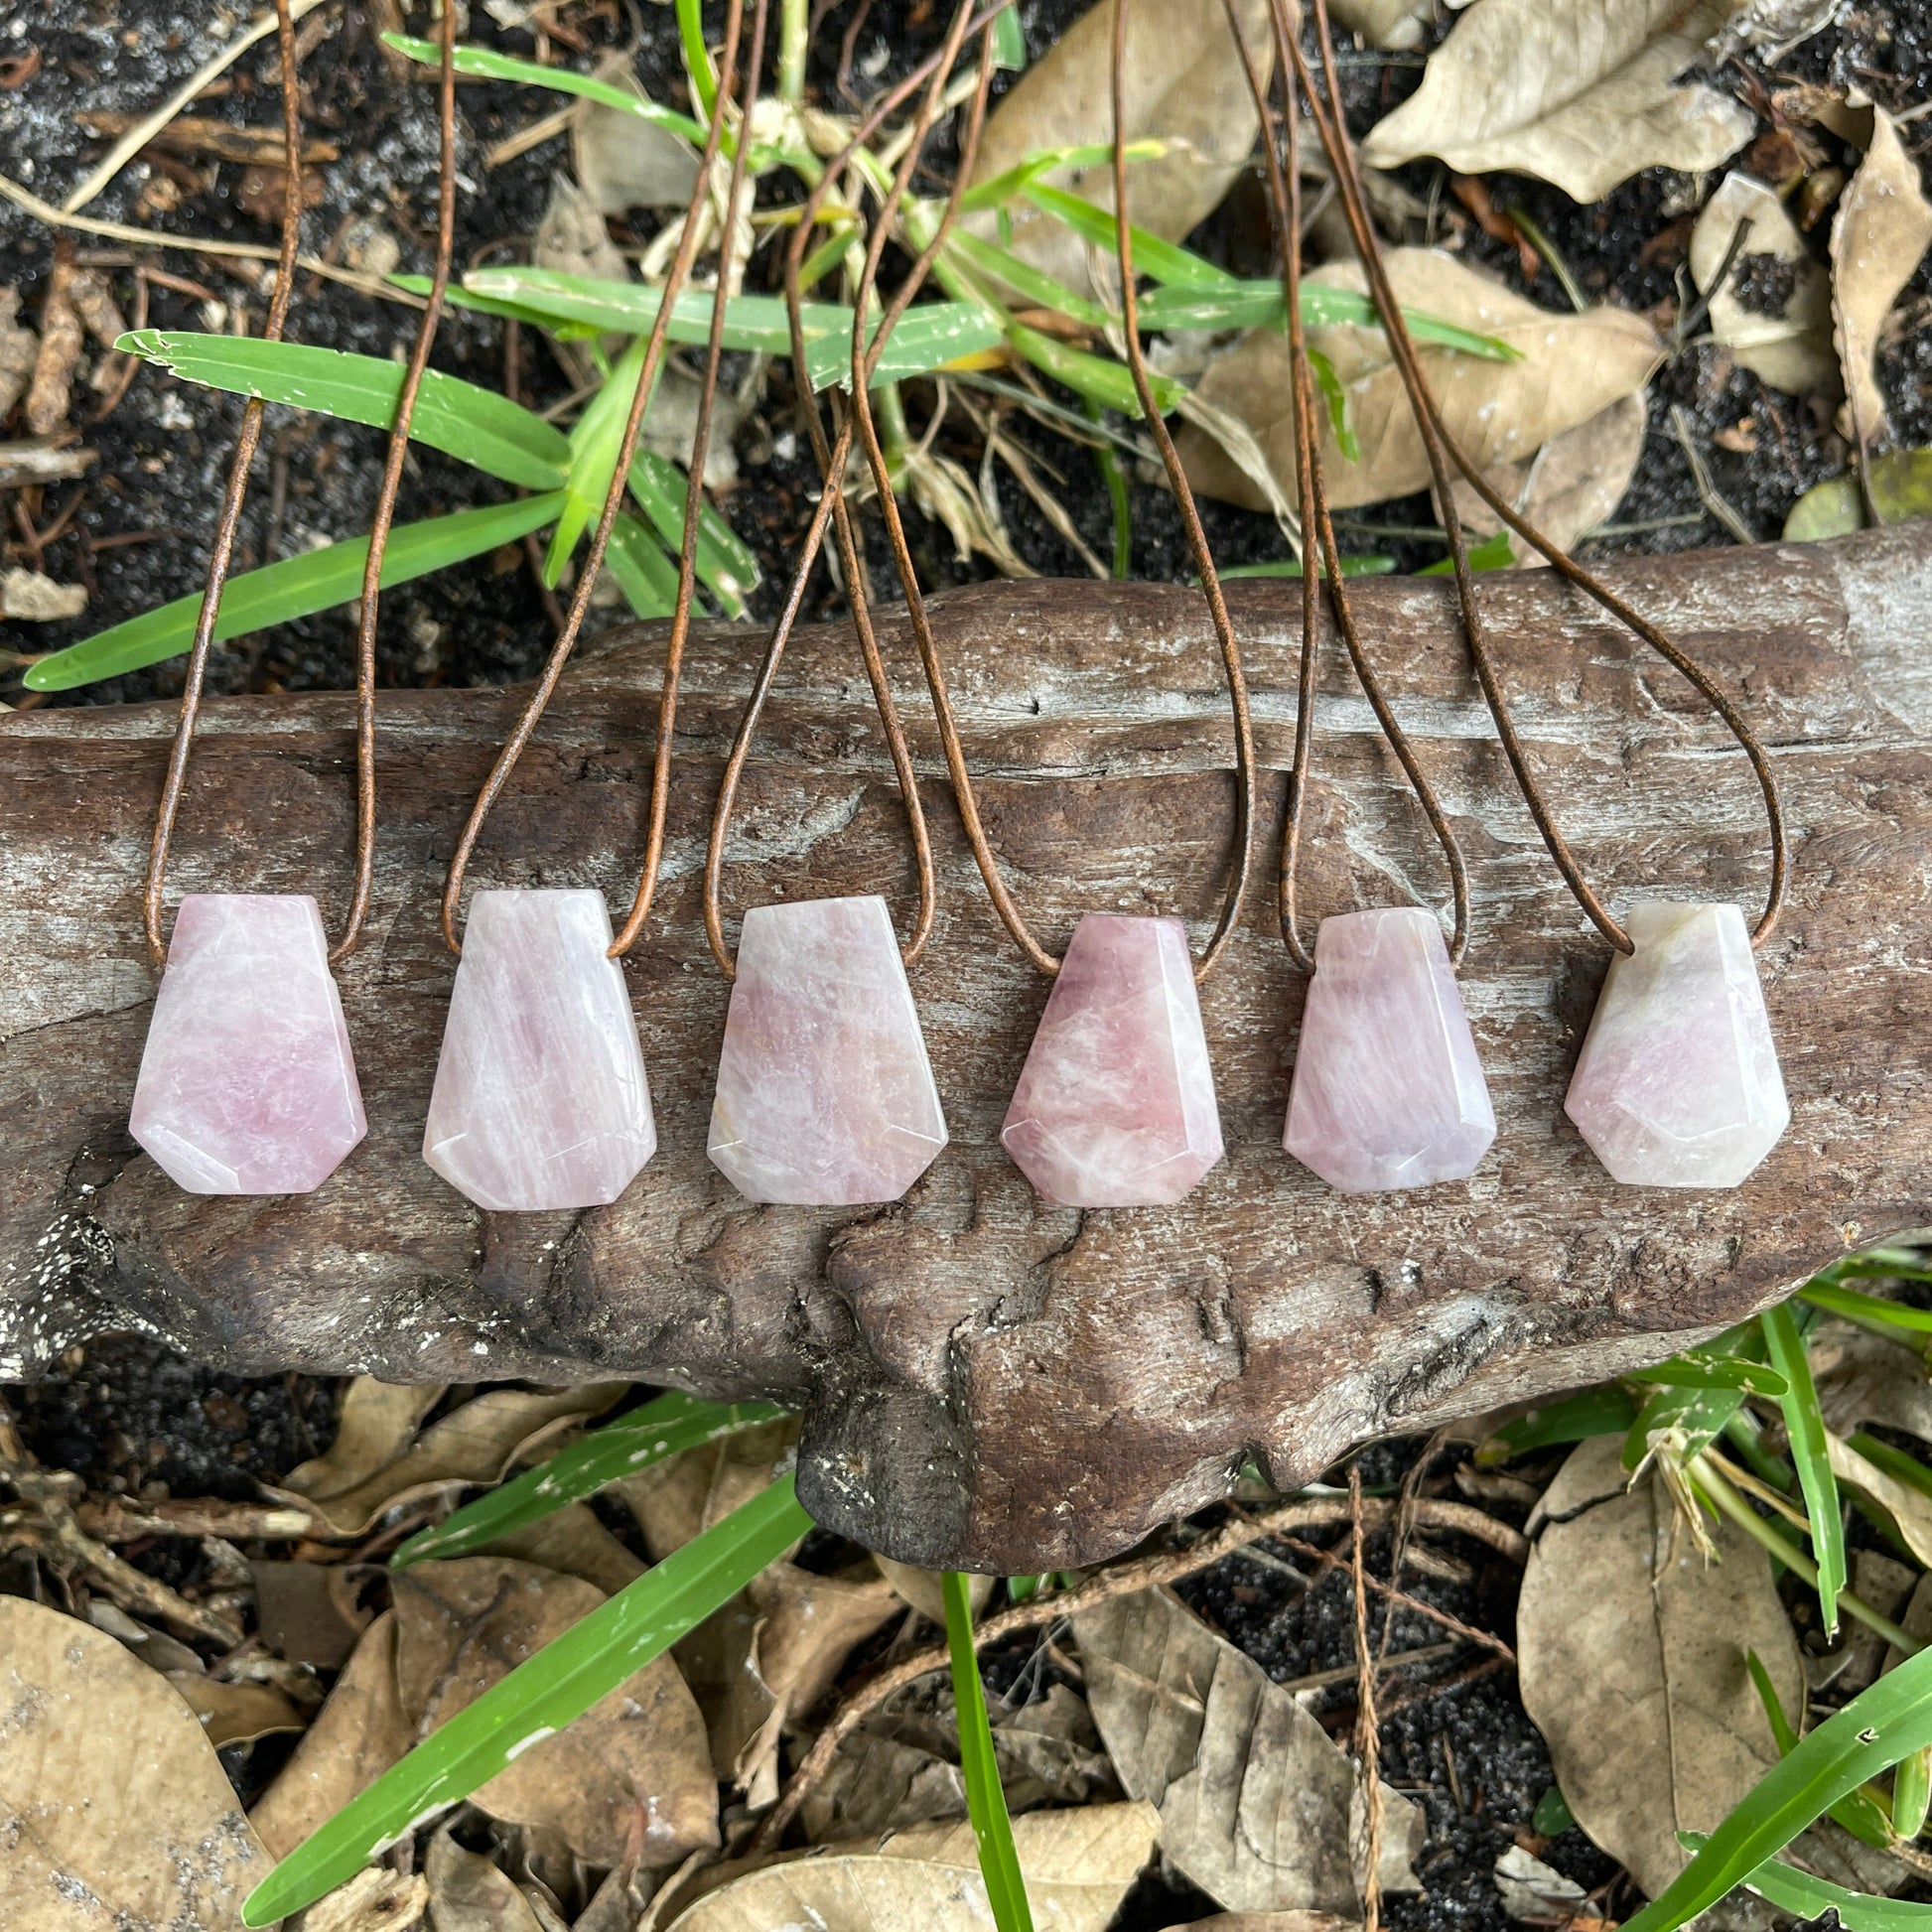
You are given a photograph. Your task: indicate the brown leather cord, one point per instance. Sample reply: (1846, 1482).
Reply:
(1285, 188)
(687, 568)
(947, 719)
(831, 503)
(1440, 448)
(385, 502)
(222, 558)
(580, 602)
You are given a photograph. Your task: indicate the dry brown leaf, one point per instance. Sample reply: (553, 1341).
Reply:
(676, 1499)
(114, 1809)
(1791, 350)
(623, 162)
(470, 1893)
(1257, 1804)
(50, 389)
(574, 1541)
(359, 1734)
(308, 1611)
(1576, 92)
(1079, 1865)
(378, 1421)
(476, 1443)
(571, 237)
(32, 598)
(1573, 368)
(1909, 1509)
(463, 1625)
(375, 1900)
(1571, 486)
(234, 1714)
(1880, 234)
(1864, 1378)
(1632, 1649)
(1182, 83)
(19, 349)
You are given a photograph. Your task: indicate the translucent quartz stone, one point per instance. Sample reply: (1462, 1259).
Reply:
(540, 1098)
(1115, 1106)
(1677, 1083)
(247, 1086)
(825, 1097)
(1388, 1091)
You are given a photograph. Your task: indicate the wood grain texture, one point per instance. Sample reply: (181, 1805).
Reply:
(989, 1381)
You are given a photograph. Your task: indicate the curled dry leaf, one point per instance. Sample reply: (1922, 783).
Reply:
(471, 1893)
(378, 1420)
(1532, 1891)
(1183, 83)
(924, 1590)
(1882, 230)
(31, 596)
(463, 1625)
(1576, 92)
(1909, 1509)
(574, 1541)
(1864, 1378)
(1571, 486)
(1257, 1804)
(234, 1714)
(1632, 1663)
(50, 389)
(1393, 24)
(376, 1900)
(359, 1733)
(1791, 347)
(623, 162)
(1079, 1865)
(1573, 368)
(114, 1809)
(308, 1611)
(476, 1443)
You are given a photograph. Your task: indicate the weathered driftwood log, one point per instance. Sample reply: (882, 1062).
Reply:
(989, 1380)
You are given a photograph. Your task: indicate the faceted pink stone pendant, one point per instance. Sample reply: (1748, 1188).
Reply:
(1678, 1084)
(825, 1097)
(247, 1086)
(1115, 1106)
(540, 1098)
(1388, 1091)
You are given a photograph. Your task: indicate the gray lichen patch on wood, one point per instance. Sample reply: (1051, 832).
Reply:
(989, 1380)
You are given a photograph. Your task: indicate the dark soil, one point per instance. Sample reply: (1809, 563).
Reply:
(129, 1416)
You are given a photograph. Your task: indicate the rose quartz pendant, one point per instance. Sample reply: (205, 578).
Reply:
(825, 1097)
(1388, 1091)
(1115, 1106)
(540, 1098)
(1678, 1084)
(247, 1086)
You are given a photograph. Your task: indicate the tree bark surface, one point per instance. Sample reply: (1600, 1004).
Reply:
(988, 1380)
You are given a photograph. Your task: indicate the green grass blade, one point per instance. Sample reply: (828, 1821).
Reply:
(1093, 378)
(485, 65)
(1336, 399)
(1908, 1470)
(728, 565)
(1912, 1793)
(1874, 1731)
(929, 335)
(1804, 1425)
(1858, 1811)
(1493, 553)
(1810, 1899)
(996, 190)
(1107, 461)
(1015, 272)
(986, 1798)
(477, 426)
(662, 1429)
(540, 1697)
(1606, 1411)
(1692, 1370)
(646, 577)
(297, 586)
(1008, 40)
(1866, 1309)
(1166, 261)
(697, 57)
(1262, 305)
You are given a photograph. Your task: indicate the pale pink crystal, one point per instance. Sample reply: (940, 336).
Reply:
(825, 1097)
(1388, 1091)
(540, 1098)
(1678, 1084)
(247, 1086)
(1115, 1106)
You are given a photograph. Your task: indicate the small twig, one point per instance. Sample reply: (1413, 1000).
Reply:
(1546, 249)
(1321, 1679)
(1712, 497)
(1368, 1739)
(117, 1521)
(1689, 318)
